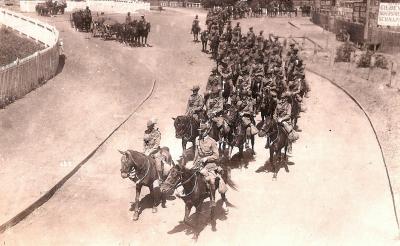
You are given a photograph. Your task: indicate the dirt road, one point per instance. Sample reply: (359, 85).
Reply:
(334, 193)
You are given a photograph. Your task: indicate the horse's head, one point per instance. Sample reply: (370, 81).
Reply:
(173, 179)
(126, 164)
(180, 124)
(265, 127)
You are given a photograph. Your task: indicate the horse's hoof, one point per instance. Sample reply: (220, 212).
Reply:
(154, 210)
(163, 205)
(213, 228)
(135, 216)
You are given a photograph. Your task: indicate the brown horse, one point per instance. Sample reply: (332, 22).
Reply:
(279, 139)
(143, 171)
(186, 129)
(195, 191)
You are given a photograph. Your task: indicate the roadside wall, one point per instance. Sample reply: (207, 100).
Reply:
(115, 6)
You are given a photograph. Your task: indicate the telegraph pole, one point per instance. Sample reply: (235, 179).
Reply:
(366, 24)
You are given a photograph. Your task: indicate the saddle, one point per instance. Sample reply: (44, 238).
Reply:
(222, 124)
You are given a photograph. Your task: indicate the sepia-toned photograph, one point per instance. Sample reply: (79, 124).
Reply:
(199, 122)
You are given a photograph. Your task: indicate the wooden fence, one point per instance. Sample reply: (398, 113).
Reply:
(22, 76)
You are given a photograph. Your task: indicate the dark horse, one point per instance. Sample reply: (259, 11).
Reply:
(279, 139)
(195, 191)
(186, 129)
(195, 30)
(143, 30)
(142, 170)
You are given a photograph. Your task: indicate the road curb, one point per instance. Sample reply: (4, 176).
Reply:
(376, 137)
(46, 196)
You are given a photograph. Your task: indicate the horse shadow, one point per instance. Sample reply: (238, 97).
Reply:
(204, 220)
(238, 161)
(267, 167)
(147, 202)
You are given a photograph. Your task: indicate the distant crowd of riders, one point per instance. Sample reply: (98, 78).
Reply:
(132, 32)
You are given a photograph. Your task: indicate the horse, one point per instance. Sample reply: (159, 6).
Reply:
(277, 133)
(195, 191)
(144, 171)
(186, 129)
(204, 39)
(267, 105)
(42, 9)
(195, 30)
(143, 29)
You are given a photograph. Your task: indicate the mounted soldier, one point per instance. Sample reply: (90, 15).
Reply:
(246, 108)
(128, 18)
(87, 11)
(238, 30)
(251, 37)
(214, 83)
(151, 141)
(195, 104)
(214, 106)
(260, 41)
(204, 40)
(206, 156)
(195, 28)
(282, 115)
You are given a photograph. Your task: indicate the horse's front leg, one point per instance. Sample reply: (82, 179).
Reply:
(136, 213)
(188, 207)
(154, 209)
(252, 139)
(197, 220)
(184, 144)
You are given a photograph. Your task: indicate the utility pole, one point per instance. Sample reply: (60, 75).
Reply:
(366, 24)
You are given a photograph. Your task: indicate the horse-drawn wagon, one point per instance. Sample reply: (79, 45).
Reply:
(50, 8)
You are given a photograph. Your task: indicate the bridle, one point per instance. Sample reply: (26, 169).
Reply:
(135, 173)
(179, 183)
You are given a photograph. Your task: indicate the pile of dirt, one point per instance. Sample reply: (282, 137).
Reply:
(13, 46)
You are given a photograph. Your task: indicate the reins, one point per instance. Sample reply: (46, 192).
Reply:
(147, 172)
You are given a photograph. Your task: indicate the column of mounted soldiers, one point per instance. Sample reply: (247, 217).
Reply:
(251, 77)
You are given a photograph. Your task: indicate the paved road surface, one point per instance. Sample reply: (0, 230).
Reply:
(335, 192)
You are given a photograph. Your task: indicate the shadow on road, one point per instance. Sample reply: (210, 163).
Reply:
(267, 167)
(61, 63)
(147, 203)
(204, 220)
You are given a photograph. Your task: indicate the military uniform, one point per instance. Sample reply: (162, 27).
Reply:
(206, 154)
(282, 114)
(128, 19)
(214, 106)
(152, 141)
(195, 105)
(214, 83)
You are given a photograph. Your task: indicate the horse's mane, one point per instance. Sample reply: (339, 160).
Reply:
(136, 155)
